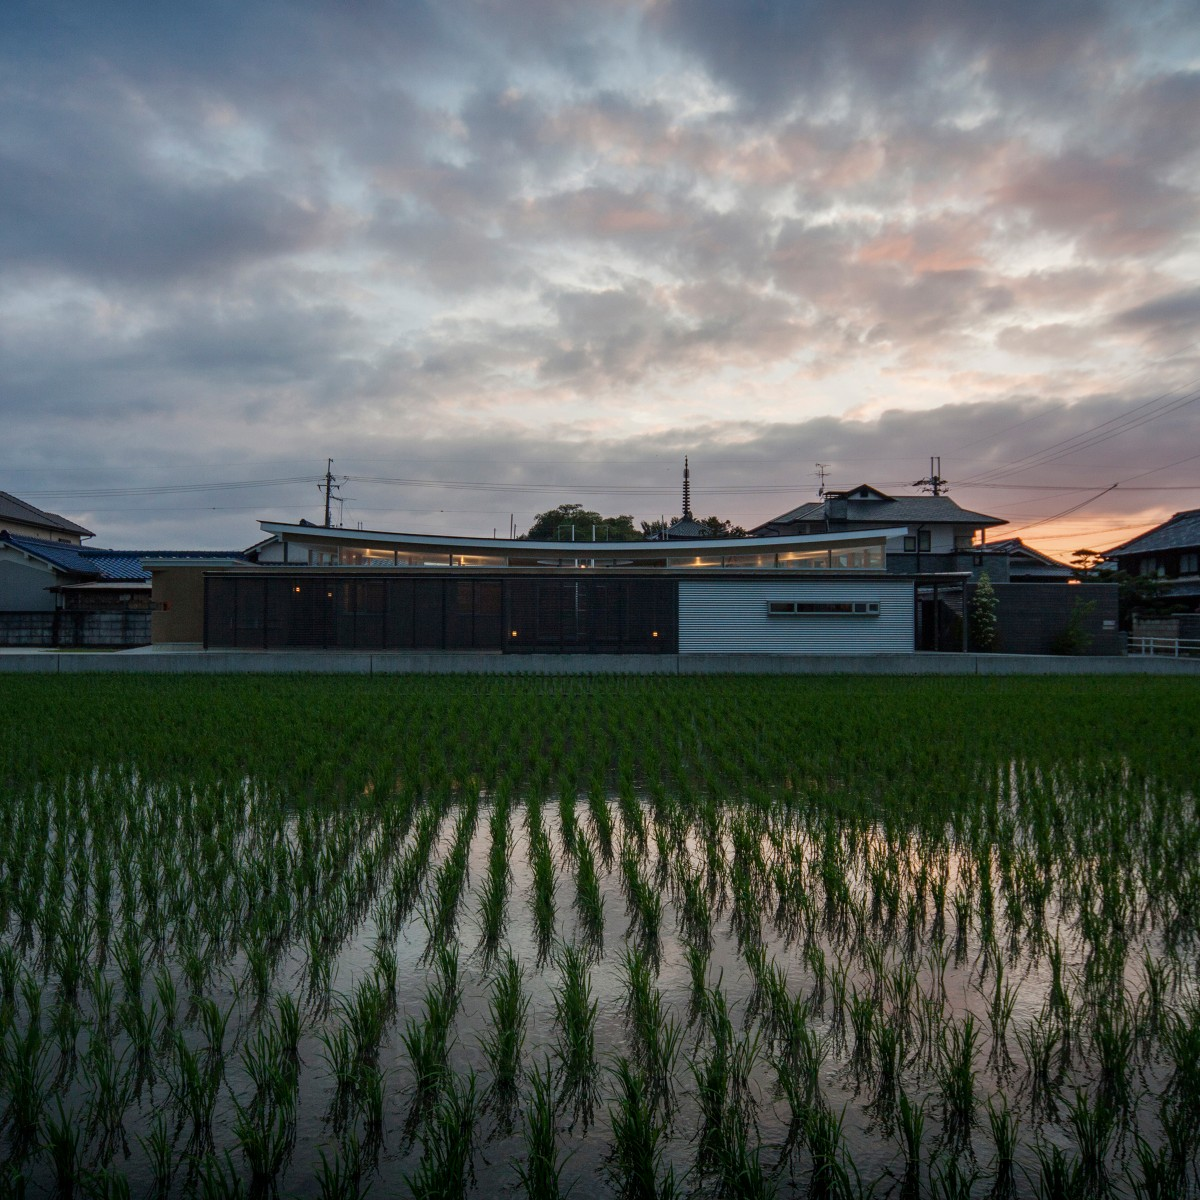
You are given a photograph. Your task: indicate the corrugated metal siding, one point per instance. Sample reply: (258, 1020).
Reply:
(730, 616)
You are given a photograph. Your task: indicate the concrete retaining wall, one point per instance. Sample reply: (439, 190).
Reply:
(250, 662)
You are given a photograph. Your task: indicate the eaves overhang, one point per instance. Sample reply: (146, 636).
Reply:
(700, 547)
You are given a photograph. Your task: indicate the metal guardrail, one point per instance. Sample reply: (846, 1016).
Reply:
(1171, 647)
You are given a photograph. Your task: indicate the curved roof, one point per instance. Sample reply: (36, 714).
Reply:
(516, 547)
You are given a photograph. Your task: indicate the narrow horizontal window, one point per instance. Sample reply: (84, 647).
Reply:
(822, 608)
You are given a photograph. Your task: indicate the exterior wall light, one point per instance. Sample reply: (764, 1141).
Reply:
(513, 634)
(296, 589)
(655, 633)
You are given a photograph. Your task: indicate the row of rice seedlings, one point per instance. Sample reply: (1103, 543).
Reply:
(450, 878)
(494, 899)
(427, 1042)
(575, 1049)
(656, 1036)
(589, 903)
(541, 864)
(504, 1041)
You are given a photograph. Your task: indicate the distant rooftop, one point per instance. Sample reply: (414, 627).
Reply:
(1181, 532)
(123, 566)
(21, 512)
(866, 503)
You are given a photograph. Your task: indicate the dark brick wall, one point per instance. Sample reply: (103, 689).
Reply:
(48, 629)
(1031, 617)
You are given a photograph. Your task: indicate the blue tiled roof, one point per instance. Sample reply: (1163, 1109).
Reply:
(117, 566)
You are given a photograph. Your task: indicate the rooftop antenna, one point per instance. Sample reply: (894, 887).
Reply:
(687, 491)
(935, 483)
(822, 471)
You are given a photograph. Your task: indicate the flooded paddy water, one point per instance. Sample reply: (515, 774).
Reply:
(673, 976)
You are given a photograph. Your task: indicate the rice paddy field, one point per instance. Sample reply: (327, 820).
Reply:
(730, 937)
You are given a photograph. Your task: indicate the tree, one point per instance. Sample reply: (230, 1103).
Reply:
(984, 604)
(556, 525)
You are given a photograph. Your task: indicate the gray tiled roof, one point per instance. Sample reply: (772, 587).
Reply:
(1181, 532)
(894, 510)
(686, 527)
(1013, 546)
(13, 509)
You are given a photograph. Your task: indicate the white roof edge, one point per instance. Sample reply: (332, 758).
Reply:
(184, 560)
(811, 541)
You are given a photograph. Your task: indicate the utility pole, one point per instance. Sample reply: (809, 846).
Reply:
(935, 483)
(822, 471)
(328, 491)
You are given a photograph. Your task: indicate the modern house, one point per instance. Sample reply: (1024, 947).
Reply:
(23, 519)
(318, 587)
(929, 533)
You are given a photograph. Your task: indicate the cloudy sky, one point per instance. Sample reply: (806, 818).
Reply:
(494, 255)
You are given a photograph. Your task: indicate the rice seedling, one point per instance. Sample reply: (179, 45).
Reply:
(65, 1143)
(504, 1040)
(447, 1145)
(159, 1150)
(493, 903)
(540, 1173)
(575, 1019)
(589, 902)
(956, 1078)
(341, 1179)
(910, 1121)
(637, 1140)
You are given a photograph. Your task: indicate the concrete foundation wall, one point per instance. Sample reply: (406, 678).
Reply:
(269, 662)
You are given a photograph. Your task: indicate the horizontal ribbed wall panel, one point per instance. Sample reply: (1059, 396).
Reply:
(730, 616)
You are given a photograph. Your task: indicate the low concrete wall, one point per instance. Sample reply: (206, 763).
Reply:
(255, 662)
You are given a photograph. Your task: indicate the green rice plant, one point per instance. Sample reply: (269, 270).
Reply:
(159, 1150)
(1158, 1177)
(888, 1056)
(1040, 1044)
(1059, 1178)
(956, 1079)
(575, 1018)
(830, 1178)
(1092, 1125)
(106, 1184)
(1004, 1125)
(427, 1043)
(265, 1139)
(542, 863)
(194, 1089)
(1114, 1043)
(447, 1145)
(341, 1179)
(1001, 1002)
(602, 821)
(635, 1163)
(540, 1173)
(696, 957)
(65, 1144)
(952, 1177)
(589, 902)
(493, 903)
(910, 1120)
(504, 1040)
(568, 824)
